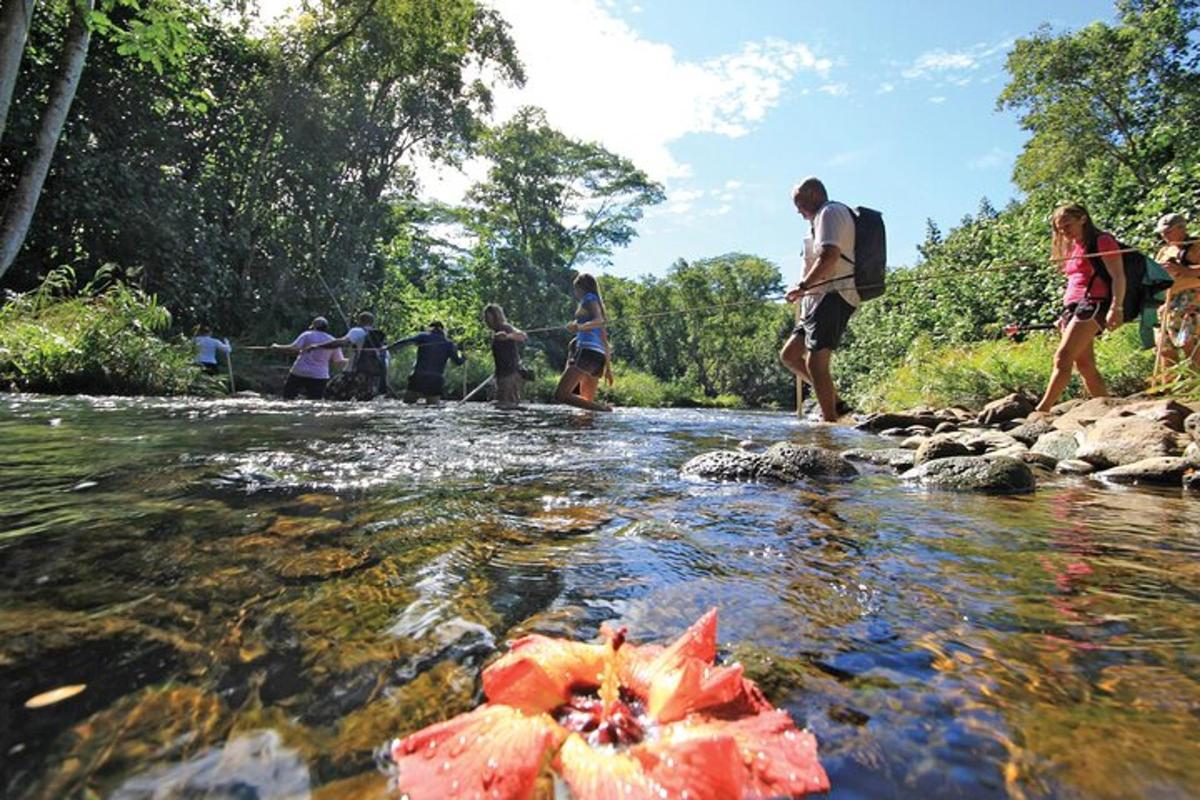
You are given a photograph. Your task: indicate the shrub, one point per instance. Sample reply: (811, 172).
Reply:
(105, 339)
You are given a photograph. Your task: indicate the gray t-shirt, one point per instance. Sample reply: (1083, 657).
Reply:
(833, 225)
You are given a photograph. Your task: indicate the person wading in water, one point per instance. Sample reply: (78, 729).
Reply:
(506, 354)
(434, 349)
(591, 359)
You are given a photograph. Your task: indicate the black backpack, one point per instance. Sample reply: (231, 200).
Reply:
(1141, 283)
(369, 359)
(870, 253)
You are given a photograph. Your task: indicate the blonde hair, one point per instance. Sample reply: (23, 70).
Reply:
(493, 312)
(1061, 244)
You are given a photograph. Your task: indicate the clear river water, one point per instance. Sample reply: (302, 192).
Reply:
(249, 599)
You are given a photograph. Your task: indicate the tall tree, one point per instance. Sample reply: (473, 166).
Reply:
(15, 19)
(550, 203)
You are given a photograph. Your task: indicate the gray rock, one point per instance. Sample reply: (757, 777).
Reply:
(939, 447)
(725, 465)
(1073, 466)
(1017, 451)
(1115, 441)
(881, 422)
(1163, 471)
(1040, 460)
(897, 432)
(1086, 413)
(919, 430)
(1027, 433)
(913, 442)
(1192, 426)
(1014, 406)
(966, 473)
(1192, 451)
(1067, 405)
(985, 441)
(1166, 412)
(1059, 445)
(895, 457)
(786, 462)
(946, 427)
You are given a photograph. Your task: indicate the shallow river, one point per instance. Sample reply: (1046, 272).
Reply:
(255, 597)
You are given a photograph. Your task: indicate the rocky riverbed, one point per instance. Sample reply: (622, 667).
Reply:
(1004, 449)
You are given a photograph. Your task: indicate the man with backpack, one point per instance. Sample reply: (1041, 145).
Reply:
(367, 375)
(828, 292)
(434, 349)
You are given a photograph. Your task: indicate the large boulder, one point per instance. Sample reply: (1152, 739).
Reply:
(1115, 441)
(725, 465)
(939, 447)
(1029, 432)
(895, 457)
(1162, 471)
(1015, 406)
(1087, 413)
(967, 473)
(1059, 445)
(786, 462)
(881, 422)
(1166, 412)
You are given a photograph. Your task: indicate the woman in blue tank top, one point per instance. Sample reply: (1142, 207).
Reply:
(591, 359)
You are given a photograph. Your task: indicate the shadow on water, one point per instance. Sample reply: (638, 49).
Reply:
(247, 599)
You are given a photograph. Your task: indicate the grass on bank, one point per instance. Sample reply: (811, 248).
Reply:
(104, 339)
(972, 374)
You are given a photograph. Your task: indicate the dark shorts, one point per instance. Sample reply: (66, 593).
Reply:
(311, 388)
(824, 327)
(1085, 309)
(424, 385)
(589, 361)
(210, 369)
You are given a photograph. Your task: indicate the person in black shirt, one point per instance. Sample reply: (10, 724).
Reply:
(506, 353)
(434, 349)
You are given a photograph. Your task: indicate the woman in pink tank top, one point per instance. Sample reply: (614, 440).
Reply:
(1091, 301)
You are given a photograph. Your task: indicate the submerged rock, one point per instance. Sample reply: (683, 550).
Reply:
(966, 473)
(1115, 441)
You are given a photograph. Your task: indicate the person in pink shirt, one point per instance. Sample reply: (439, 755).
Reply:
(310, 372)
(1092, 301)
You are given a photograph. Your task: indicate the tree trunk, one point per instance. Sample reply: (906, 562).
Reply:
(15, 18)
(23, 202)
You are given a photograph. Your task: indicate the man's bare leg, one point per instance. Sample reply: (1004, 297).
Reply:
(822, 382)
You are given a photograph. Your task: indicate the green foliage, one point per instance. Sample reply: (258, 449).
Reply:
(103, 340)
(971, 374)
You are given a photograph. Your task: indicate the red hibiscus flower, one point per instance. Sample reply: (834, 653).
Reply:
(614, 721)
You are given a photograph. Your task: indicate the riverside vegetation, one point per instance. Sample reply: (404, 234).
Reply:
(273, 182)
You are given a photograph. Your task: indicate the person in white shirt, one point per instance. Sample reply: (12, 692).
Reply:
(370, 362)
(826, 291)
(207, 348)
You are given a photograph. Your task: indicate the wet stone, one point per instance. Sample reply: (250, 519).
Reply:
(895, 457)
(569, 520)
(786, 462)
(304, 527)
(1059, 445)
(1073, 466)
(992, 476)
(939, 447)
(325, 562)
(725, 465)
(1166, 471)
(1027, 433)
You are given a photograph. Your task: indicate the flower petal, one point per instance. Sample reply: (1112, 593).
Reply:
(698, 641)
(700, 769)
(495, 751)
(692, 685)
(781, 760)
(538, 672)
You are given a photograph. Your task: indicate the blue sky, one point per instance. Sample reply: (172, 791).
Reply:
(729, 103)
(891, 103)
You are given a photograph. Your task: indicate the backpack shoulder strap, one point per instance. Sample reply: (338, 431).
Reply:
(1098, 269)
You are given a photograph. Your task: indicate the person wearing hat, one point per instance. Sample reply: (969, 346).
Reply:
(310, 372)
(1180, 314)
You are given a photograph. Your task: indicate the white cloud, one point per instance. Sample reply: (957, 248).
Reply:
(939, 61)
(835, 89)
(885, 88)
(937, 100)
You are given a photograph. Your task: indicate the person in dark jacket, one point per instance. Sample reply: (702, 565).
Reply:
(434, 349)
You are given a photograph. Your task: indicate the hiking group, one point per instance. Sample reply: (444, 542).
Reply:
(845, 258)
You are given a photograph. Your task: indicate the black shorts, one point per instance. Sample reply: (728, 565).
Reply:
(210, 369)
(1085, 309)
(311, 388)
(425, 385)
(824, 327)
(589, 361)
